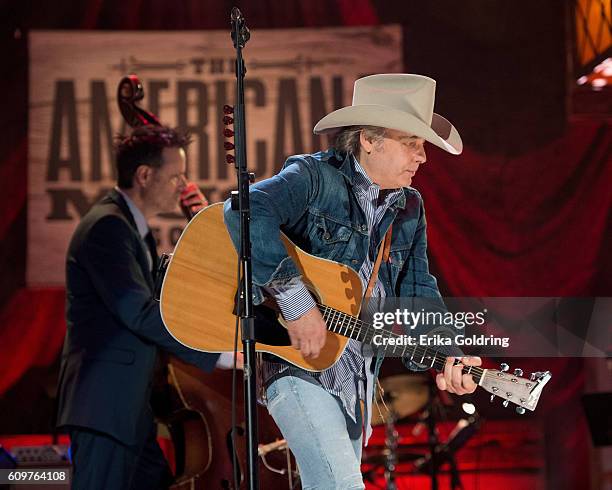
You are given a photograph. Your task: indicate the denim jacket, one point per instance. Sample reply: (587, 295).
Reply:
(312, 202)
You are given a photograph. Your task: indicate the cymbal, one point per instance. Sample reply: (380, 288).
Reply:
(404, 395)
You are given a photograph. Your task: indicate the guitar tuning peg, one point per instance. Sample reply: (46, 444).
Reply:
(504, 367)
(228, 146)
(537, 375)
(492, 398)
(518, 372)
(228, 133)
(230, 158)
(227, 120)
(505, 403)
(228, 109)
(520, 410)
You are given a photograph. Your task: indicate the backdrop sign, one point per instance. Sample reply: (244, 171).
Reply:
(294, 77)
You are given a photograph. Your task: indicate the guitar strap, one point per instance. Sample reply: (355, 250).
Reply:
(383, 254)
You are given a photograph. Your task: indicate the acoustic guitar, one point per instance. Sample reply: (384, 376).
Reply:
(198, 297)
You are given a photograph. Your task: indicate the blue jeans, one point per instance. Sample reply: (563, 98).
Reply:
(326, 444)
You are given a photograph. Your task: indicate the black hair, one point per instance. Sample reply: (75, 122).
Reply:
(144, 146)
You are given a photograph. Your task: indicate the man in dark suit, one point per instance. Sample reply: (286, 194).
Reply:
(115, 330)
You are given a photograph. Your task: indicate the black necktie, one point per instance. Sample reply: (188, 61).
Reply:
(152, 246)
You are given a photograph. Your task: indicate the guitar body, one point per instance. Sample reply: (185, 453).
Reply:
(197, 305)
(197, 298)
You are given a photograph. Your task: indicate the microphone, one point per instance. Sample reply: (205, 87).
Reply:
(240, 31)
(236, 14)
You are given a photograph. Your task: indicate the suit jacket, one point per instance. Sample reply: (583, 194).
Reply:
(114, 327)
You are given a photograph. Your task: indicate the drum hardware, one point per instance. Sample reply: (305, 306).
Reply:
(445, 453)
(405, 453)
(403, 395)
(279, 445)
(391, 441)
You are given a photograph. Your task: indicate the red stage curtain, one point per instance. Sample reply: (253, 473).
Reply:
(32, 329)
(534, 225)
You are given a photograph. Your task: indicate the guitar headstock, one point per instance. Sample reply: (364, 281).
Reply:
(513, 388)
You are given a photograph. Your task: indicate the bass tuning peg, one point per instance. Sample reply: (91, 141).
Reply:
(504, 367)
(520, 410)
(228, 109)
(518, 372)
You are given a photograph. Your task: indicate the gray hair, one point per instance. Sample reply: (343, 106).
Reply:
(347, 139)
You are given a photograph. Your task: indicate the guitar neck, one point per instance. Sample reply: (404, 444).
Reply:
(352, 327)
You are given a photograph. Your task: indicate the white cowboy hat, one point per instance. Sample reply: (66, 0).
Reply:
(396, 101)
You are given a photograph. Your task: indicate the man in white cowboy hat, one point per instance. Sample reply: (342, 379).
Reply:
(343, 204)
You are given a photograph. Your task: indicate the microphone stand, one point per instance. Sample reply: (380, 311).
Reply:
(240, 36)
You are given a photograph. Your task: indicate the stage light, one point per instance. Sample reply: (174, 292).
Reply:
(469, 408)
(600, 77)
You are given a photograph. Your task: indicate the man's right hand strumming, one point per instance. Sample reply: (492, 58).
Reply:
(308, 333)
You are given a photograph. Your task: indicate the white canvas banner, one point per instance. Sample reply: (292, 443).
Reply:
(294, 77)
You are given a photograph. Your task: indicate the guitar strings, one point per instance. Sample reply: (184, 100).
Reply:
(336, 319)
(343, 321)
